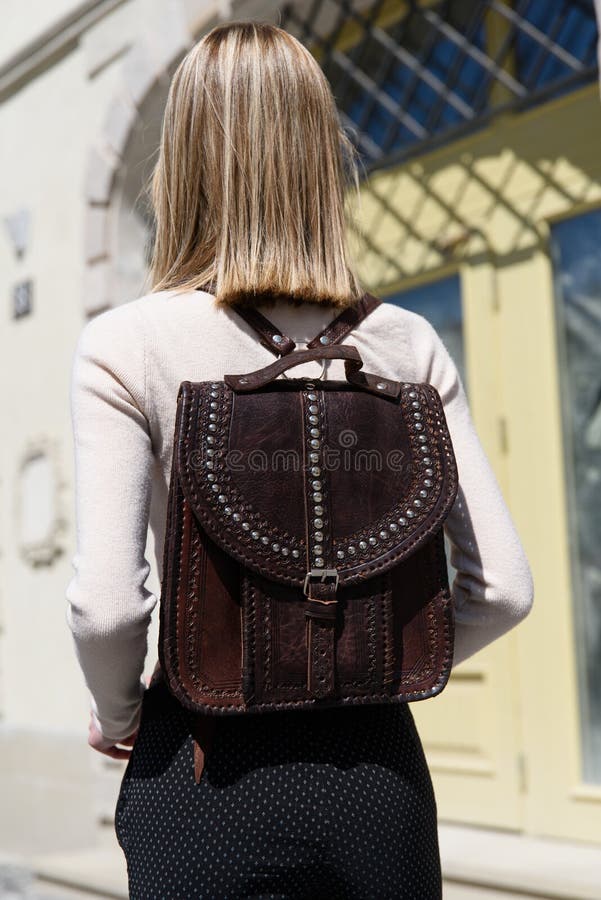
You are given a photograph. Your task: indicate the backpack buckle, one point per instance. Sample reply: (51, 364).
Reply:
(322, 575)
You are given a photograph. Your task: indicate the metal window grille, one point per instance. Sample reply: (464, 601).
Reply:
(436, 69)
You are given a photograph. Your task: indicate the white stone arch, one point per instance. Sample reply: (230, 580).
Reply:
(123, 153)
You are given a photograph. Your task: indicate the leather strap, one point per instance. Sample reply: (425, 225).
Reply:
(320, 613)
(203, 731)
(345, 322)
(375, 384)
(333, 333)
(269, 335)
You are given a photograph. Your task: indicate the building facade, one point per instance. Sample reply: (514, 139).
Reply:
(479, 129)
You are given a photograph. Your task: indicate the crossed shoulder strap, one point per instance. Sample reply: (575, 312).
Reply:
(272, 338)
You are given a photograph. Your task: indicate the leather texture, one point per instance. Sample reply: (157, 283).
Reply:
(304, 561)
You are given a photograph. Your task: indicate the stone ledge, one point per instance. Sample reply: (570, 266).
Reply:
(99, 872)
(540, 867)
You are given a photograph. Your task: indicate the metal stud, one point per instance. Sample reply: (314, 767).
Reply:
(418, 426)
(352, 550)
(296, 554)
(423, 493)
(215, 385)
(214, 394)
(265, 539)
(212, 427)
(318, 523)
(222, 498)
(314, 457)
(237, 517)
(402, 520)
(315, 470)
(340, 554)
(319, 561)
(412, 395)
(315, 432)
(428, 471)
(314, 443)
(424, 448)
(213, 417)
(275, 547)
(210, 439)
(415, 404)
(318, 536)
(314, 420)
(214, 405)
(381, 386)
(422, 438)
(417, 503)
(285, 551)
(277, 338)
(372, 540)
(211, 451)
(246, 526)
(317, 497)
(318, 510)
(216, 488)
(393, 527)
(313, 408)
(324, 339)
(426, 461)
(428, 482)
(316, 485)
(312, 396)
(383, 535)
(211, 477)
(255, 535)
(362, 545)
(228, 510)
(410, 514)
(417, 416)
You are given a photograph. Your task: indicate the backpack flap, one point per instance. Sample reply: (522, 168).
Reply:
(289, 478)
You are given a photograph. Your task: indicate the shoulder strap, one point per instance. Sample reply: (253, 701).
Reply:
(269, 335)
(333, 333)
(345, 322)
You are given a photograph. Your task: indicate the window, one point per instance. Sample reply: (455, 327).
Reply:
(575, 247)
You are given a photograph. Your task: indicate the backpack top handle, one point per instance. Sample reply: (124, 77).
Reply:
(353, 363)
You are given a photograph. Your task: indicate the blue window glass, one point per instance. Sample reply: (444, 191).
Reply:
(575, 247)
(571, 26)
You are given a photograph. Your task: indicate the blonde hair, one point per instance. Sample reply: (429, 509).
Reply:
(250, 184)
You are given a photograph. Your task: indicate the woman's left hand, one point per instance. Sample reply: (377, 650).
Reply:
(110, 748)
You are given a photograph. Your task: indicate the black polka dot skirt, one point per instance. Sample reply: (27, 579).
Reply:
(334, 804)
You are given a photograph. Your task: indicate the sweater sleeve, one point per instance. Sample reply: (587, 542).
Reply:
(493, 589)
(108, 607)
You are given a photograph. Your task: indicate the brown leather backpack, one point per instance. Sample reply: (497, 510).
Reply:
(304, 561)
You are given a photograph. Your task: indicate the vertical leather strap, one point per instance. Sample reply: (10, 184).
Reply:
(270, 336)
(345, 322)
(203, 731)
(321, 653)
(333, 333)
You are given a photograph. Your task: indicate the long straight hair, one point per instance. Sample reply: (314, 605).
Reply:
(249, 188)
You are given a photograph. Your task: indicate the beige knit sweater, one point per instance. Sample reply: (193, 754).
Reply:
(127, 367)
